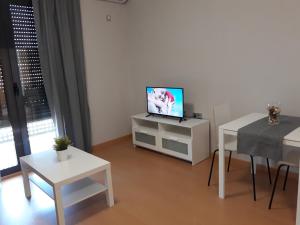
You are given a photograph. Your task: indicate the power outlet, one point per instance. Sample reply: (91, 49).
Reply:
(198, 116)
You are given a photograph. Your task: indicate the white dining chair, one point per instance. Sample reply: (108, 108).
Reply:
(222, 115)
(290, 160)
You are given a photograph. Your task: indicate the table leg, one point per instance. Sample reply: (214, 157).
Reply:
(59, 206)
(25, 176)
(108, 183)
(221, 164)
(298, 202)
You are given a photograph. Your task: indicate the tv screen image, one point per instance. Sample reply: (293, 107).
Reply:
(165, 101)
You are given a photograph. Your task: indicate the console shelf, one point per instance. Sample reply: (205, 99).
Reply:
(188, 140)
(72, 193)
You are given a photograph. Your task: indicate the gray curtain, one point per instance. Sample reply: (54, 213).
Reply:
(58, 24)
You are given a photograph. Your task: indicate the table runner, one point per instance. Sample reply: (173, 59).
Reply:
(261, 139)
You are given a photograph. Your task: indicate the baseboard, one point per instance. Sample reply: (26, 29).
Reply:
(11, 175)
(111, 142)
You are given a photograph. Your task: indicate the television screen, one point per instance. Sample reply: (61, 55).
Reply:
(165, 101)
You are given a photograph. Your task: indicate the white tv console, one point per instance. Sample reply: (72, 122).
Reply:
(188, 140)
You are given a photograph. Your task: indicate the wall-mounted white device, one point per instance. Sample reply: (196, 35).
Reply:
(116, 1)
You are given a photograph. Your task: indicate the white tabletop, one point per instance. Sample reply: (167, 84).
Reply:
(79, 163)
(292, 139)
(235, 125)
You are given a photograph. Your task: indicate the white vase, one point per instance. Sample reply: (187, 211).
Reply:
(62, 155)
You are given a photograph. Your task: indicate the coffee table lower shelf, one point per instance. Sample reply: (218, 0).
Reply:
(71, 193)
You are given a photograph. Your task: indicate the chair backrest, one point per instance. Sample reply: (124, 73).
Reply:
(222, 114)
(291, 156)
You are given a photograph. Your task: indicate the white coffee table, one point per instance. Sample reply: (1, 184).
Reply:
(67, 182)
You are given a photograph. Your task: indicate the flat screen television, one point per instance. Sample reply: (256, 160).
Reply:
(167, 101)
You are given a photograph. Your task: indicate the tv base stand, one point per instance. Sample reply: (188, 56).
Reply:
(188, 140)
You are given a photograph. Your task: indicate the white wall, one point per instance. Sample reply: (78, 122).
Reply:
(243, 52)
(106, 56)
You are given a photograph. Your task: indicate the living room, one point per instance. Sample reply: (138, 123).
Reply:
(241, 54)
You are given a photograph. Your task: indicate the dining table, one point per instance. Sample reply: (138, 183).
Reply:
(232, 128)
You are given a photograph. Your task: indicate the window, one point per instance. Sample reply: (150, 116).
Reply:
(39, 123)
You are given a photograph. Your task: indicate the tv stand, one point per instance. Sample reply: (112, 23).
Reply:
(188, 140)
(148, 115)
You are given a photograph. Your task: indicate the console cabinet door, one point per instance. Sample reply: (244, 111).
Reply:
(145, 139)
(180, 148)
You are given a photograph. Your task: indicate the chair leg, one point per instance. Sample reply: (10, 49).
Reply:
(269, 171)
(230, 153)
(274, 185)
(286, 176)
(253, 177)
(212, 166)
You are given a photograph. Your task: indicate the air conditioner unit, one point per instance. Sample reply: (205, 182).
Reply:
(116, 1)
